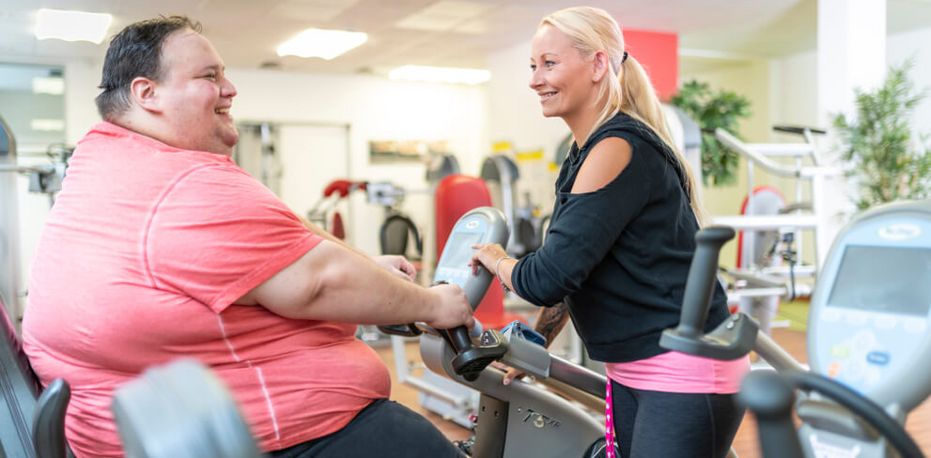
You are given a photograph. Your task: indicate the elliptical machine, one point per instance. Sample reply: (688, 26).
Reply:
(521, 419)
(868, 343)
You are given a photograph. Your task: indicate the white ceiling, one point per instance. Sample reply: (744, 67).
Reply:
(430, 32)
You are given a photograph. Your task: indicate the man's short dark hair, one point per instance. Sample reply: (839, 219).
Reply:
(135, 51)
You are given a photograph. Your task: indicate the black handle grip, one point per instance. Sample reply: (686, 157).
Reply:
(459, 338)
(699, 286)
(799, 130)
(770, 398)
(404, 330)
(471, 360)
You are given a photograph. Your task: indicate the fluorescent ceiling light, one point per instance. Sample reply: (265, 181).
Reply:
(47, 125)
(440, 74)
(72, 25)
(48, 85)
(325, 44)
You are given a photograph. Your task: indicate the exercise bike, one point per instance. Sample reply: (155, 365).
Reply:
(521, 419)
(868, 344)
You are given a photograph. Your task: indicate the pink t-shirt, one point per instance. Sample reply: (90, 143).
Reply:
(674, 372)
(144, 252)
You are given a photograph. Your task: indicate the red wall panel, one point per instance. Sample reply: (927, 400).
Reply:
(658, 52)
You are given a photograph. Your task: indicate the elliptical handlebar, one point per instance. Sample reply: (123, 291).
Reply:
(733, 338)
(770, 397)
(699, 286)
(861, 406)
(470, 359)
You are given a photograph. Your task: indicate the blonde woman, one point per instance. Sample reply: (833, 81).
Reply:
(619, 245)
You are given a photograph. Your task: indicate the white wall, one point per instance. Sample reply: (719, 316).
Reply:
(913, 44)
(794, 89)
(750, 79)
(81, 80)
(795, 79)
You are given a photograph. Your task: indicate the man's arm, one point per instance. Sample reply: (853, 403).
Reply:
(334, 283)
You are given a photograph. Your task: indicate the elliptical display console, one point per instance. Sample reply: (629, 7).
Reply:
(481, 225)
(870, 315)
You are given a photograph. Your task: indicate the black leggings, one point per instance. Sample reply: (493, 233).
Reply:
(653, 423)
(384, 429)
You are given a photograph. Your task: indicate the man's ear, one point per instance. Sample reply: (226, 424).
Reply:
(144, 93)
(600, 66)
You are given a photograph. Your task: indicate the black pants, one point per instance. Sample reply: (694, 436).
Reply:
(670, 425)
(384, 429)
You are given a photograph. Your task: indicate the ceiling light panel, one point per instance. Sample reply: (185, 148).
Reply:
(70, 25)
(48, 85)
(322, 43)
(47, 125)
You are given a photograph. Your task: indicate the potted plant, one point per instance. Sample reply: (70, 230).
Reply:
(880, 152)
(711, 110)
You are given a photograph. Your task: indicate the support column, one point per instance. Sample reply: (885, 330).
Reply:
(851, 51)
(851, 55)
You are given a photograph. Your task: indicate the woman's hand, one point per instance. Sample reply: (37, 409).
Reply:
(510, 373)
(487, 254)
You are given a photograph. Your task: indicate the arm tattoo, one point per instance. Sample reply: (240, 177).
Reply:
(551, 320)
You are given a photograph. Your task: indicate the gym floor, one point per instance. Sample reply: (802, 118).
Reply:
(793, 340)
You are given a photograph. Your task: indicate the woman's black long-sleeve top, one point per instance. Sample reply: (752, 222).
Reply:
(619, 256)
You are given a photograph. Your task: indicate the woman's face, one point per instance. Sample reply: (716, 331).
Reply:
(561, 76)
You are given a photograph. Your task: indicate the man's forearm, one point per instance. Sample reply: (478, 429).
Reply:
(376, 295)
(551, 321)
(355, 292)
